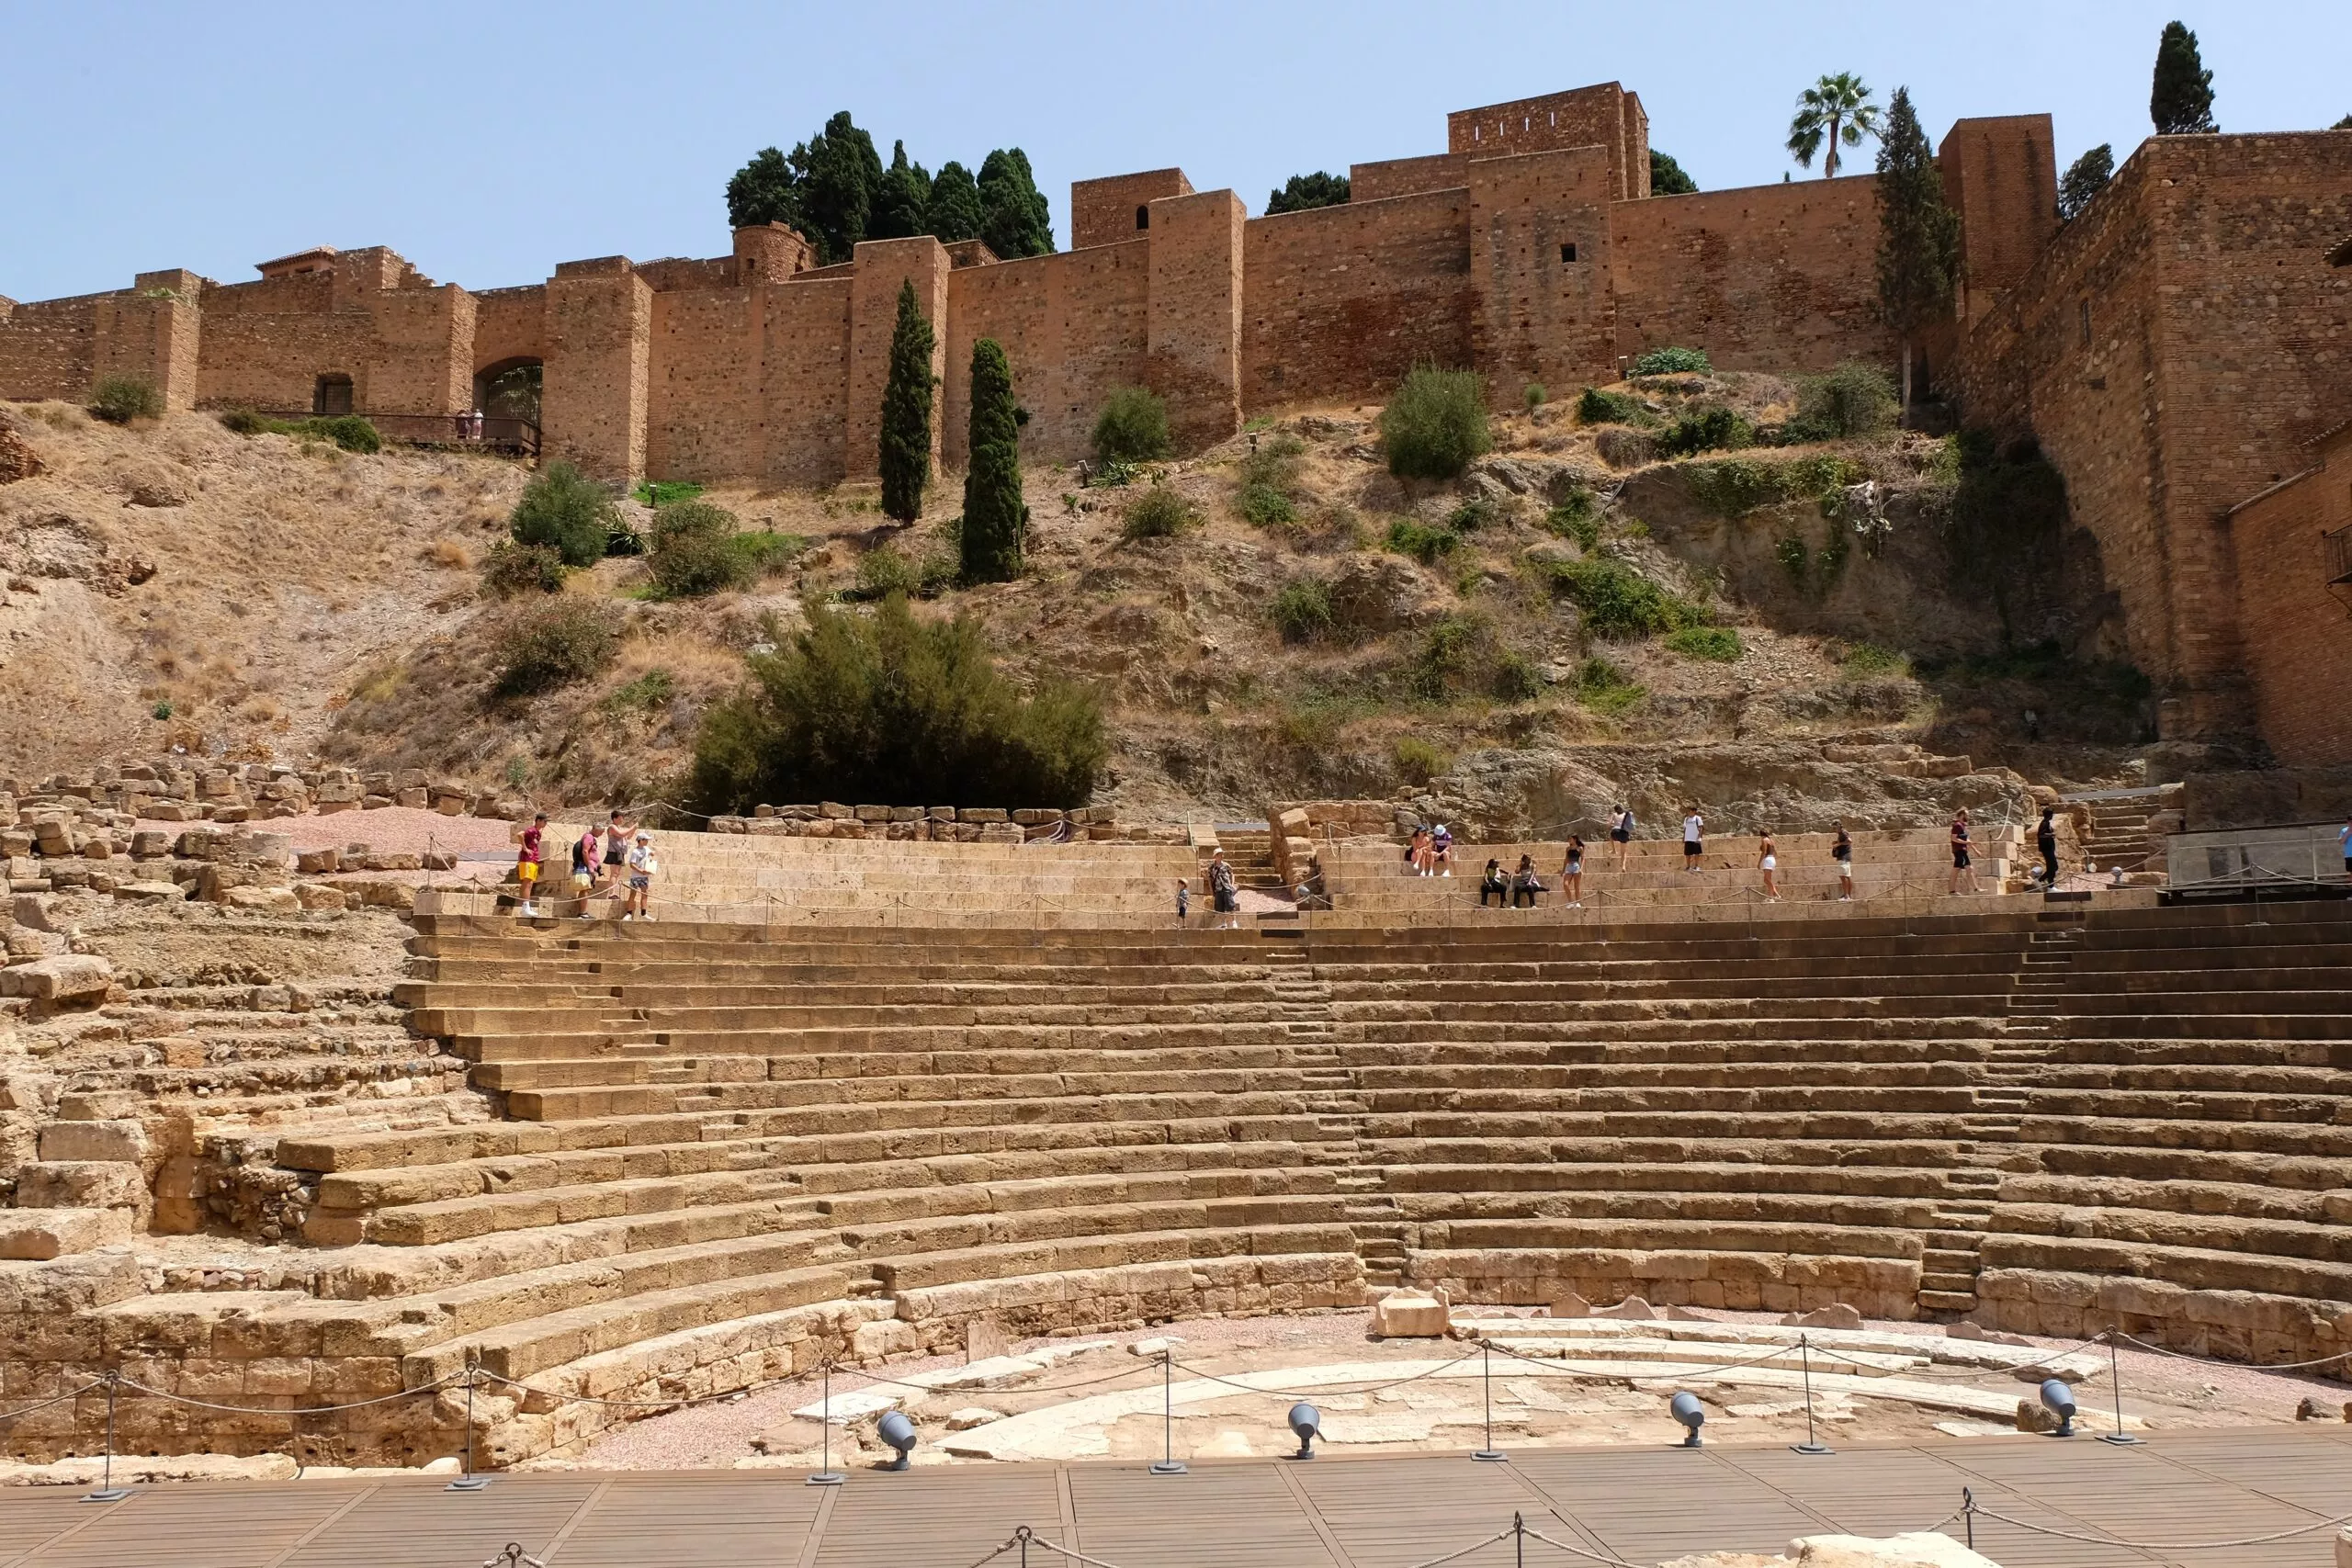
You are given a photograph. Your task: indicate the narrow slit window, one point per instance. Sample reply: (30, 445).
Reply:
(1143, 218)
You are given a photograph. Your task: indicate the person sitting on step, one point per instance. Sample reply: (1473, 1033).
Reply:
(1494, 882)
(1525, 884)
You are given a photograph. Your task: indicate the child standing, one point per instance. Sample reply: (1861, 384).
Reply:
(1694, 839)
(1183, 901)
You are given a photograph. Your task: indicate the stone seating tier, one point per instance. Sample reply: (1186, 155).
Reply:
(726, 1150)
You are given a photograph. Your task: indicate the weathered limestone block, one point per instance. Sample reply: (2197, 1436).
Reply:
(79, 1184)
(1410, 1314)
(124, 1140)
(71, 977)
(39, 1234)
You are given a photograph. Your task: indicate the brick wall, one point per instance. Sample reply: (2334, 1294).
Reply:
(1075, 326)
(510, 324)
(1103, 212)
(599, 333)
(1408, 176)
(48, 347)
(1605, 116)
(882, 266)
(805, 377)
(1340, 301)
(267, 342)
(1194, 314)
(2298, 633)
(420, 354)
(1770, 278)
(703, 402)
(1542, 308)
(2001, 175)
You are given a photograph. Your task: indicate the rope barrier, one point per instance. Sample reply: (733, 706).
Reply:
(47, 1404)
(1680, 1372)
(1329, 1388)
(2166, 1546)
(2219, 1361)
(1614, 1562)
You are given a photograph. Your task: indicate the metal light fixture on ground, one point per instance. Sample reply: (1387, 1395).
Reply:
(1692, 1414)
(2059, 1400)
(900, 1433)
(1308, 1425)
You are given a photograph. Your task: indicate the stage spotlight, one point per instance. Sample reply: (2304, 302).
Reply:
(1308, 1425)
(900, 1433)
(2059, 1400)
(1692, 1414)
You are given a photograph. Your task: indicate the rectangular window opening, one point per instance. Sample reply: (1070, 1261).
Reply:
(1569, 252)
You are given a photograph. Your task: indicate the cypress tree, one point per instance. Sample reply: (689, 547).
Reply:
(996, 519)
(2084, 178)
(1918, 246)
(954, 207)
(900, 203)
(2182, 100)
(906, 411)
(1014, 219)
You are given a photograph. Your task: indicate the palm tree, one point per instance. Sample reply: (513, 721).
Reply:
(1834, 109)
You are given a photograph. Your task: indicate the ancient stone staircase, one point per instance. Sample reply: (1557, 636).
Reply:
(2119, 832)
(2031, 1012)
(1371, 1213)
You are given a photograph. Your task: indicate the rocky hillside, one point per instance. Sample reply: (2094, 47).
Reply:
(1785, 631)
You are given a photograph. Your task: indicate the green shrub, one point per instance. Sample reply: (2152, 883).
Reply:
(1435, 423)
(1794, 559)
(1740, 485)
(1266, 507)
(1115, 473)
(1715, 644)
(648, 692)
(1618, 603)
(1474, 514)
(1709, 428)
(1575, 518)
(1854, 398)
(119, 400)
(1536, 396)
(352, 433)
(162, 709)
(1597, 407)
(1865, 661)
(541, 650)
(1515, 680)
(762, 550)
(665, 493)
(1421, 760)
(1274, 462)
(1454, 654)
(243, 422)
(692, 552)
(565, 509)
(1159, 512)
(511, 568)
(1411, 536)
(1672, 362)
(896, 711)
(884, 569)
(1302, 610)
(1605, 689)
(1132, 427)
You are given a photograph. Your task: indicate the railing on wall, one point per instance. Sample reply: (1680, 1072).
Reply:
(2338, 546)
(488, 432)
(2307, 856)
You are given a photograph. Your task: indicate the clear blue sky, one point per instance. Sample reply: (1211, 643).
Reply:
(486, 142)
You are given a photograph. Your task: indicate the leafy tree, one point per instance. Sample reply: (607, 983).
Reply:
(568, 512)
(2085, 177)
(765, 190)
(2181, 102)
(1301, 192)
(1918, 247)
(996, 519)
(1834, 109)
(1014, 219)
(906, 411)
(901, 205)
(690, 555)
(954, 205)
(1666, 177)
(900, 712)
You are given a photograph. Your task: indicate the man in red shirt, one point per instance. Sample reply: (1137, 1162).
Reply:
(527, 862)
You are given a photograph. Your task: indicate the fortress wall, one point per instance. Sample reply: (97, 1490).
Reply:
(510, 324)
(703, 393)
(2193, 296)
(2000, 174)
(1604, 115)
(1017, 303)
(1405, 177)
(1340, 301)
(1103, 212)
(1194, 319)
(267, 342)
(421, 358)
(599, 336)
(1769, 277)
(49, 348)
(2298, 634)
(154, 335)
(882, 266)
(1539, 273)
(805, 379)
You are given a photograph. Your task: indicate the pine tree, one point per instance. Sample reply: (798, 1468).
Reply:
(996, 519)
(763, 191)
(2084, 178)
(1667, 176)
(900, 206)
(906, 411)
(1918, 247)
(1304, 191)
(1014, 219)
(2182, 100)
(954, 205)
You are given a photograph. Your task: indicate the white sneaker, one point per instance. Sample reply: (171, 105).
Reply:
(625, 918)
(1445, 874)
(527, 912)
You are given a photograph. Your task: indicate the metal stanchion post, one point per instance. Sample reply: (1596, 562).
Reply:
(1812, 1443)
(1518, 1539)
(1968, 1514)
(827, 1475)
(108, 1491)
(467, 1480)
(1167, 1465)
(1490, 1454)
(2115, 1381)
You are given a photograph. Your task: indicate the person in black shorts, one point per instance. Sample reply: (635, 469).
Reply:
(1842, 851)
(1621, 832)
(1963, 870)
(2045, 838)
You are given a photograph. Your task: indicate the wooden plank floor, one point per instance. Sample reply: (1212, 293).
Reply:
(2174, 1495)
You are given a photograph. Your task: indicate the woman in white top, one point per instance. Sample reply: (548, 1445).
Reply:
(1769, 865)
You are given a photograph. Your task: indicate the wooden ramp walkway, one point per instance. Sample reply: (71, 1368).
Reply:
(1639, 1505)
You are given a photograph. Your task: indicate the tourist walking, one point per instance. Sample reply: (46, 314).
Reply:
(1842, 851)
(1572, 873)
(1525, 884)
(1222, 895)
(1694, 839)
(1621, 832)
(2045, 838)
(527, 860)
(1962, 868)
(642, 867)
(2344, 843)
(587, 866)
(1494, 883)
(1769, 862)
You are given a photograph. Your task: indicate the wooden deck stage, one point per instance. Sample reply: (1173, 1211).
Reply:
(1642, 1504)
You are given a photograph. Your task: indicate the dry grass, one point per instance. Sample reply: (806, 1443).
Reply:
(449, 553)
